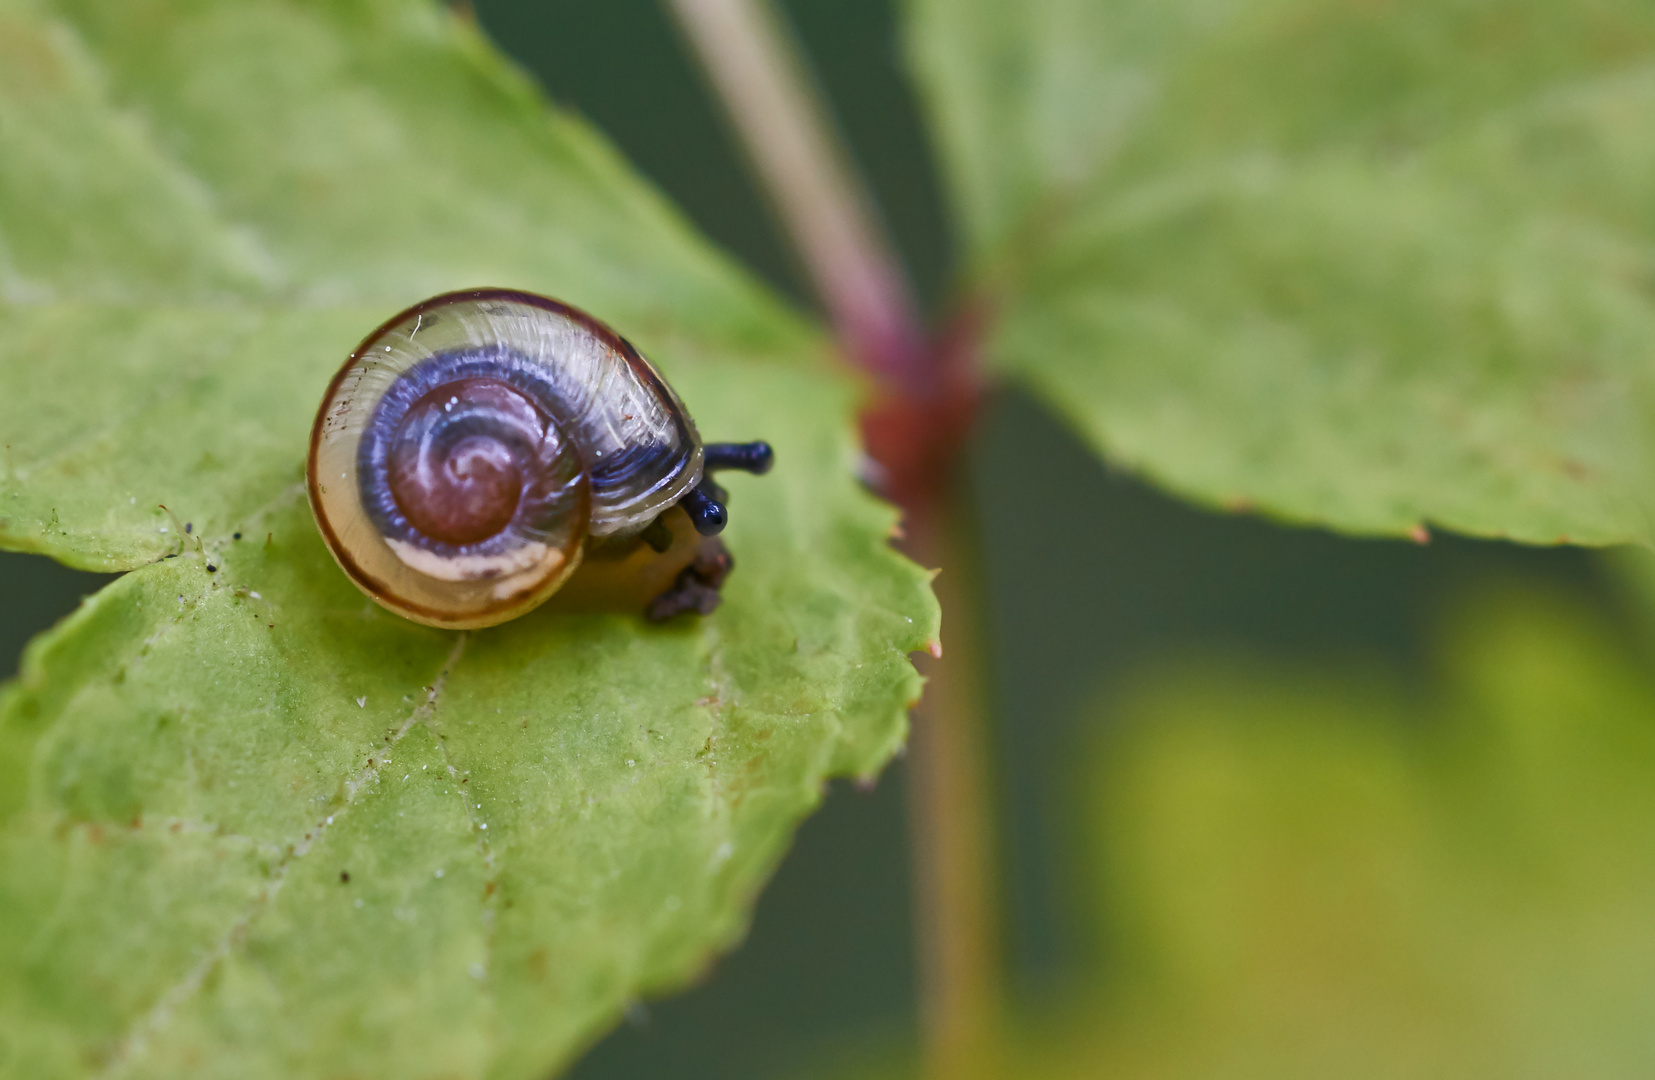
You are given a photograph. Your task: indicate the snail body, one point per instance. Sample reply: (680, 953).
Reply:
(474, 447)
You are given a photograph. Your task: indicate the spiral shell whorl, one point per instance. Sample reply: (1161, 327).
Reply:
(463, 458)
(459, 479)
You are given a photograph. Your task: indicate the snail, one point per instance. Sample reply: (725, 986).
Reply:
(479, 447)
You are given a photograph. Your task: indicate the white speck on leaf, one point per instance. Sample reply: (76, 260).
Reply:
(439, 873)
(362, 702)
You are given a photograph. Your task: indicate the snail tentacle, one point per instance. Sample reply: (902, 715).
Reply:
(706, 510)
(753, 457)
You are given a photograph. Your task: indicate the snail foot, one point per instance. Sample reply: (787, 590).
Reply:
(697, 586)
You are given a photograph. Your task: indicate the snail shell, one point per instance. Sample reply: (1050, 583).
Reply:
(474, 445)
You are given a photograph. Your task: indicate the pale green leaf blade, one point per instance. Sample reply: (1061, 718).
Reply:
(193, 761)
(1307, 873)
(203, 207)
(1368, 268)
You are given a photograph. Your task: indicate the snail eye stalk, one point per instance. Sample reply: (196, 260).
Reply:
(752, 457)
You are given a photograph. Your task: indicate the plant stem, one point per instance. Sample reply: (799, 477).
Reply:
(794, 149)
(949, 820)
(925, 399)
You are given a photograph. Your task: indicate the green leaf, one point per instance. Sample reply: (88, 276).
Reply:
(250, 824)
(205, 207)
(1368, 266)
(1308, 875)
(1298, 871)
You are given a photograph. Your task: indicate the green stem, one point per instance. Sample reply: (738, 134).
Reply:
(950, 823)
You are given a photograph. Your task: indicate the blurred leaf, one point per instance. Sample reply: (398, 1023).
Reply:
(1363, 265)
(250, 825)
(1312, 876)
(1298, 874)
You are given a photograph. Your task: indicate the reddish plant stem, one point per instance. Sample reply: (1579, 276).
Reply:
(925, 395)
(793, 147)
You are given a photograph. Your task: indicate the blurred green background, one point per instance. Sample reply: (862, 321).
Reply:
(1093, 585)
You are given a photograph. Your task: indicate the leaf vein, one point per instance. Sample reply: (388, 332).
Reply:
(154, 1022)
(484, 849)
